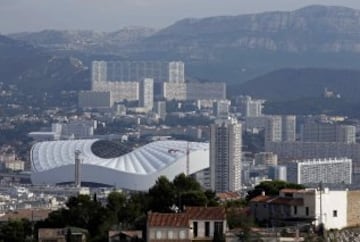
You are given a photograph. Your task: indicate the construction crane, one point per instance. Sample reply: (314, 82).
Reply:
(187, 153)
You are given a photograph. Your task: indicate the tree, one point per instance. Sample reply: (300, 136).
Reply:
(271, 188)
(16, 230)
(116, 204)
(183, 183)
(162, 195)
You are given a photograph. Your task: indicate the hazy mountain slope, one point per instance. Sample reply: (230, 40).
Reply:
(236, 48)
(230, 48)
(291, 84)
(35, 70)
(84, 40)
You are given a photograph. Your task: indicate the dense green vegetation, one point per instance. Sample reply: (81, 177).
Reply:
(271, 188)
(128, 211)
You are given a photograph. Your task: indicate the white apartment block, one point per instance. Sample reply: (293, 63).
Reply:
(250, 107)
(327, 171)
(327, 132)
(194, 91)
(221, 108)
(174, 91)
(14, 165)
(128, 71)
(95, 99)
(120, 90)
(146, 94)
(177, 72)
(273, 129)
(288, 126)
(280, 128)
(205, 91)
(74, 129)
(225, 155)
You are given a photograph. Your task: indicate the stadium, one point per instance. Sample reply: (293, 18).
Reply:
(107, 163)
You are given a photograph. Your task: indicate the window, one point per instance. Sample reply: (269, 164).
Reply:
(170, 234)
(218, 228)
(158, 234)
(295, 209)
(335, 213)
(195, 229)
(182, 234)
(307, 211)
(207, 229)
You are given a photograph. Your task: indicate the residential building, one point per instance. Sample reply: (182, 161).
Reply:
(288, 128)
(62, 234)
(266, 158)
(250, 107)
(328, 171)
(129, 71)
(174, 90)
(146, 95)
(120, 90)
(160, 109)
(194, 90)
(277, 173)
(95, 99)
(75, 129)
(14, 165)
(177, 72)
(273, 129)
(205, 91)
(327, 132)
(225, 155)
(309, 206)
(221, 108)
(288, 151)
(280, 128)
(194, 223)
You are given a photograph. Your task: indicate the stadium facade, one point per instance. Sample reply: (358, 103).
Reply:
(116, 164)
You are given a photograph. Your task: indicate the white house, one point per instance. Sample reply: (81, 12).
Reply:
(304, 206)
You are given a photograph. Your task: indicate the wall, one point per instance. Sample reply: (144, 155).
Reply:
(353, 209)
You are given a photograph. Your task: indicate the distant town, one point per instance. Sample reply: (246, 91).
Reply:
(198, 163)
(228, 128)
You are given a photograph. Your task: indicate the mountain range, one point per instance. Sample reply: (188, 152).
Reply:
(233, 49)
(36, 70)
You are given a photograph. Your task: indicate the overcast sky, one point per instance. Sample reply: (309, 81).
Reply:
(110, 15)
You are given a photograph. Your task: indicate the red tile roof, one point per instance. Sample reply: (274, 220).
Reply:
(228, 196)
(182, 219)
(287, 201)
(206, 213)
(168, 220)
(30, 214)
(260, 199)
(289, 190)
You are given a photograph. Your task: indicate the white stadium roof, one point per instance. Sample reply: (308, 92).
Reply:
(53, 162)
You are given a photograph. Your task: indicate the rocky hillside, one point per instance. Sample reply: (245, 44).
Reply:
(293, 84)
(36, 70)
(233, 49)
(83, 40)
(313, 28)
(236, 48)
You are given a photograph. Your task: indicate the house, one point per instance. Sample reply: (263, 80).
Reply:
(308, 206)
(62, 234)
(124, 235)
(194, 223)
